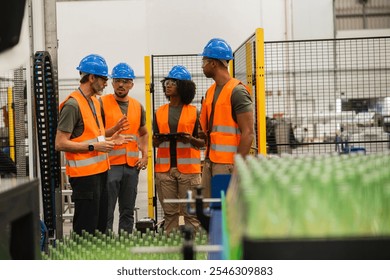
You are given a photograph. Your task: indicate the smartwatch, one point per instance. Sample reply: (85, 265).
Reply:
(91, 147)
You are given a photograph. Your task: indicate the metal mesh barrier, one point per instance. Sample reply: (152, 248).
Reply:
(20, 122)
(13, 124)
(162, 64)
(362, 14)
(322, 96)
(326, 96)
(244, 65)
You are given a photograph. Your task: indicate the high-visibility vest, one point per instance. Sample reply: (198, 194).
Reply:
(126, 153)
(188, 158)
(224, 133)
(80, 164)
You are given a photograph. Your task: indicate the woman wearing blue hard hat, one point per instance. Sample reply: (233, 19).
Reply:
(81, 135)
(175, 128)
(227, 114)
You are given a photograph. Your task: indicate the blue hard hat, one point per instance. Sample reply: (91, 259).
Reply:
(218, 49)
(122, 71)
(93, 64)
(179, 72)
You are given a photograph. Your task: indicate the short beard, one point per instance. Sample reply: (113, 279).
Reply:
(119, 95)
(207, 75)
(97, 92)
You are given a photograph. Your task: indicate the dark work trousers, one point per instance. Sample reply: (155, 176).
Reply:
(90, 203)
(122, 183)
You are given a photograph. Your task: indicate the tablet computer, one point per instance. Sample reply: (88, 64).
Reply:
(170, 135)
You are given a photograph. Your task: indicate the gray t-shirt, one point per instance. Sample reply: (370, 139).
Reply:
(173, 121)
(240, 99)
(123, 105)
(241, 102)
(70, 119)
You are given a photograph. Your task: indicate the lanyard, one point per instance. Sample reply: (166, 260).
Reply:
(92, 107)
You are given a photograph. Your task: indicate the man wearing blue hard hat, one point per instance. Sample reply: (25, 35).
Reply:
(125, 114)
(81, 135)
(227, 114)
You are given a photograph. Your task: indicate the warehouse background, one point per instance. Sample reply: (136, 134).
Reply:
(129, 30)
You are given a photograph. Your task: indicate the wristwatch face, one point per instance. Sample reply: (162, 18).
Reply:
(91, 147)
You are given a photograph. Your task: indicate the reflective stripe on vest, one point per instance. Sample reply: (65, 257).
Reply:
(183, 145)
(122, 152)
(188, 161)
(226, 129)
(162, 160)
(224, 148)
(224, 134)
(164, 144)
(126, 153)
(188, 158)
(86, 163)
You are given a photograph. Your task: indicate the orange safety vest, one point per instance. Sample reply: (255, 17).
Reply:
(126, 153)
(188, 158)
(80, 164)
(224, 135)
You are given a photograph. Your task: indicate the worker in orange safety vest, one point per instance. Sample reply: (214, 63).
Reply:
(122, 112)
(226, 116)
(178, 162)
(81, 135)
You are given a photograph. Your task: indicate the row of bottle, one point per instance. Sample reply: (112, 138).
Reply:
(310, 197)
(111, 246)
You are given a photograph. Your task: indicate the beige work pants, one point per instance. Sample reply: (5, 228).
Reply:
(174, 185)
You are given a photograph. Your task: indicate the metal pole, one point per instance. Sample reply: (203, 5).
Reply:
(364, 3)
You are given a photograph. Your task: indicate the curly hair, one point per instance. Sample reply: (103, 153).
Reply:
(185, 88)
